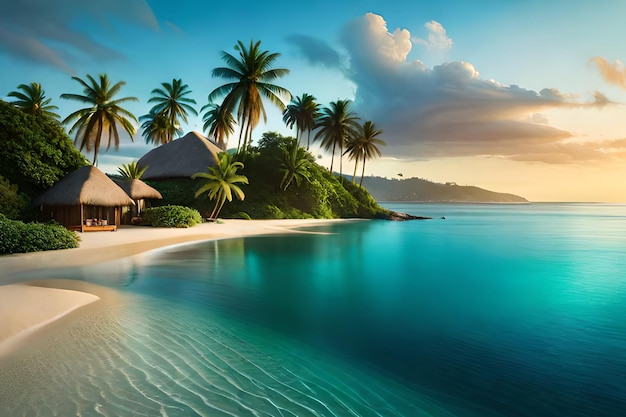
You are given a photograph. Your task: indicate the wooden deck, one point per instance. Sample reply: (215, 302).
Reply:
(107, 228)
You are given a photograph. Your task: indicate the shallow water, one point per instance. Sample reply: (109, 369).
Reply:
(498, 310)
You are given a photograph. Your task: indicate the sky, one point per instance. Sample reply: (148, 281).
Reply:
(518, 96)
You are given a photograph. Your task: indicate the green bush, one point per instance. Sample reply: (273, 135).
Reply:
(171, 216)
(20, 237)
(12, 204)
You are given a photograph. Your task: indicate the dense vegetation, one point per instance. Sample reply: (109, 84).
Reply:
(318, 195)
(20, 237)
(171, 216)
(35, 152)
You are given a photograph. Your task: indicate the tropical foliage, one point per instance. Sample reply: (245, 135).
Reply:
(294, 165)
(364, 146)
(35, 152)
(131, 171)
(101, 116)
(336, 125)
(219, 122)
(250, 76)
(20, 237)
(157, 128)
(222, 180)
(32, 100)
(13, 204)
(171, 216)
(173, 105)
(302, 112)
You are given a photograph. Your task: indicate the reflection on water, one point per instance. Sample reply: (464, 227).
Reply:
(495, 311)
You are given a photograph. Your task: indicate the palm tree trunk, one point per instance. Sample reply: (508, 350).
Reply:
(356, 163)
(341, 158)
(332, 159)
(362, 172)
(308, 139)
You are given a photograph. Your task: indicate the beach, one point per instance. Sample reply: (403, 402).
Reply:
(29, 302)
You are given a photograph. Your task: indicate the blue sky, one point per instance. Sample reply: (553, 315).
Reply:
(516, 96)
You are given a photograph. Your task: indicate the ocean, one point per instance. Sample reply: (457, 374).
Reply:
(486, 310)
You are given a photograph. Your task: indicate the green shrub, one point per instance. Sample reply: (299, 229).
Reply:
(171, 216)
(12, 204)
(20, 237)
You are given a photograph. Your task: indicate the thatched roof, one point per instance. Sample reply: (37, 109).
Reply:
(87, 185)
(137, 189)
(180, 158)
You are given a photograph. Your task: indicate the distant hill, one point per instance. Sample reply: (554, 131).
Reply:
(417, 189)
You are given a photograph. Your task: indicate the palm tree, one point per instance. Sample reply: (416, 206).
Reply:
(222, 181)
(131, 171)
(219, 122)
(102, 115)
(368, 140)
(302, 111)
(157, 128)
(171, 101)
(336, 125)
(294, 165)
(250, 75)
(33, 100)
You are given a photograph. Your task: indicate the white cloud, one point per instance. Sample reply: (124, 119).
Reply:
(448, 110)
(437, 38)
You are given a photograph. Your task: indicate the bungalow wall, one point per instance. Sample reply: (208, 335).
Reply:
(70, 216)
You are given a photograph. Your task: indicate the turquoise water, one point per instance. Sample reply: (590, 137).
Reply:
(496, 310)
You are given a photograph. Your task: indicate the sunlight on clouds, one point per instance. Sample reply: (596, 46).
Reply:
(614, 73)
(448, 110)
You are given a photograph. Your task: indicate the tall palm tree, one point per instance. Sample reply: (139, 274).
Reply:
(250, 78)
(302, 111)
(171, 101)
(222, 181)
(294, 165)
(102, 116)
(219, 122)
(157, 128)
(32, 99)
(368, 143)
(336, 125)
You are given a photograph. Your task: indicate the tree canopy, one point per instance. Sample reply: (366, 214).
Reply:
(35, 152)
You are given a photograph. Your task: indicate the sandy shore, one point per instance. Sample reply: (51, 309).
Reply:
(26, 308)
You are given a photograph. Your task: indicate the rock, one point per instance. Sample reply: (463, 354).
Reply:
(398, 216)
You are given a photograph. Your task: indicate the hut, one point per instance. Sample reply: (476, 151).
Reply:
(180, 158)
(84, 200)
(138, 191)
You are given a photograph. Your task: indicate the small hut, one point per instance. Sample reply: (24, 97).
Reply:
(138, 191)
(84, 200)
(180, 158)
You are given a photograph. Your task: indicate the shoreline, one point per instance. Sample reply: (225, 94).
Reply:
(29, 306)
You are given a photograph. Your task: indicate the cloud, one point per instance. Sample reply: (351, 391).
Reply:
(449, 110)
(47, 32)
(316, 51)
(614, 73)
(437, 37)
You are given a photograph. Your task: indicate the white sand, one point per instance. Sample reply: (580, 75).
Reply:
(27, 308)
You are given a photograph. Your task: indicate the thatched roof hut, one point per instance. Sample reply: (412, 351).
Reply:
(85, 197)
(137, 189)
(180, 158)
